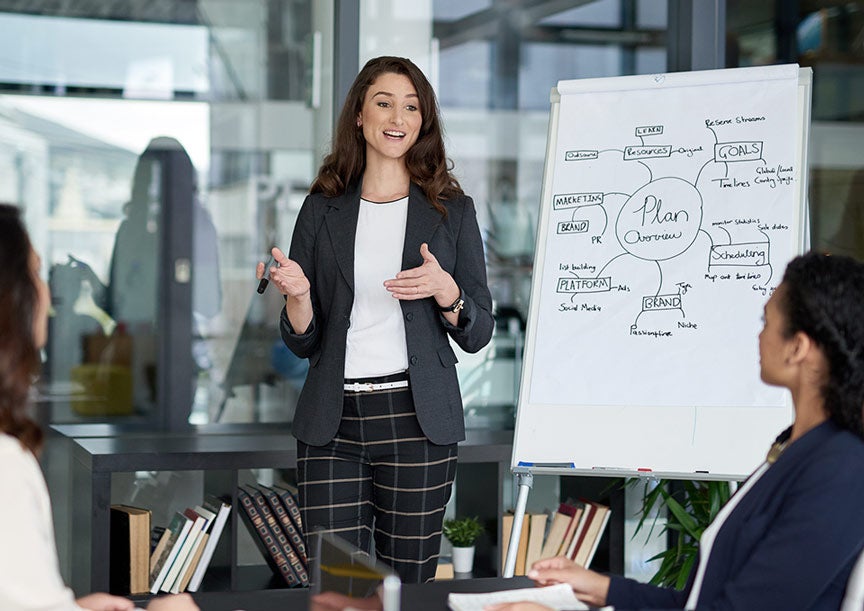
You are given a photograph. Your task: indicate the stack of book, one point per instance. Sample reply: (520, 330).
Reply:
(273, 517)
(574, 531)
(184, 550)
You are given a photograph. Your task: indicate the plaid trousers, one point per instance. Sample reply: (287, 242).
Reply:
(381, 478)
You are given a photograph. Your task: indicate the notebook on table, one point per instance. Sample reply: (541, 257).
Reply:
(337, 568)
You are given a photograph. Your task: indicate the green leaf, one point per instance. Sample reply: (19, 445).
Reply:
(690, 525)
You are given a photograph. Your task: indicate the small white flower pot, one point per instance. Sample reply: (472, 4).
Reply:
(463, 559)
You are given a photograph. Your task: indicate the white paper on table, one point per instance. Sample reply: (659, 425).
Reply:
(559, 597)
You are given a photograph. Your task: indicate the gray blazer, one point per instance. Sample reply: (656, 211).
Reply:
(323, 246)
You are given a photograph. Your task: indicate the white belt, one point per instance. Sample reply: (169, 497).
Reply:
(370, 387)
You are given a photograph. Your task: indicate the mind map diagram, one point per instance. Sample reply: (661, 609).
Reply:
(680, 210)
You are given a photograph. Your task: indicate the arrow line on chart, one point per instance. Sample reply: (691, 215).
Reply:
(710, 239)
(660, 270)
(612, 150)
(605, 220)
(700, 171)
(642, 140)
(728, 235)
(603, 269)
(716, 139)
(650, 173)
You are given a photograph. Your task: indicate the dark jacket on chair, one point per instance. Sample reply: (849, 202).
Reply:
(323, 246)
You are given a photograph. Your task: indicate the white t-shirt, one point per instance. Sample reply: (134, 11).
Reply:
(29, 569)
(376, 338)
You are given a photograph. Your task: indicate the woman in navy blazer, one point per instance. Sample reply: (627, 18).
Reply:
(789, 537)
(380, 413)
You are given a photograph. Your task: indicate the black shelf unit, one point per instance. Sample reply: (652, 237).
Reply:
(221, 452)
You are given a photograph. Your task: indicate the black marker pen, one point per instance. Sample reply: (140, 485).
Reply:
(262, 286)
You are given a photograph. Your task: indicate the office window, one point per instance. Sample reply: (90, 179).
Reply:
(826, 37)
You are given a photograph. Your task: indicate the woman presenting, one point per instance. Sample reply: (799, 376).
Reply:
(788, 539)
(385, 267)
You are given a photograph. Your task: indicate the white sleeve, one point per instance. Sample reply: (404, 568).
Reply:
(29, 566)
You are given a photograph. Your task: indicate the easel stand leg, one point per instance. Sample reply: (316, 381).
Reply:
(525, 481)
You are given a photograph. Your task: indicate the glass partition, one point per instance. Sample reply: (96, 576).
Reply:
(494, 68)
(159, 150)
(826, 37)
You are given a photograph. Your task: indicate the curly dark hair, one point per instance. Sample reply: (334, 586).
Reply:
(426, 161)
(19, 354)
(823, 297)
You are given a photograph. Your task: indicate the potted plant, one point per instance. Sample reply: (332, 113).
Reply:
(691, 507)
(463, 533)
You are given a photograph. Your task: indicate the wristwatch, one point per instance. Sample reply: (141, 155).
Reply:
(453, 307)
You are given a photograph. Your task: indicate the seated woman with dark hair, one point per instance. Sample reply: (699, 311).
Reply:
(28, 557)
(790, 536)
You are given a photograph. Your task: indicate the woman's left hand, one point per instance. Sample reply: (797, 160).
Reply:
(427, 280)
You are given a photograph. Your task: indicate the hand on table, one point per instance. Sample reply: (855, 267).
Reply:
(331, 601)
(590, 587)
(176, 602)
(100, 601)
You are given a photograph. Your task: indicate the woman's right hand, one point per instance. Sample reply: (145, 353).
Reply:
(589, 587)
(287, 277)
(177, 602)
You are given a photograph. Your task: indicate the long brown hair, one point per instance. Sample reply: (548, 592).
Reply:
(19, 354)
(426, 161)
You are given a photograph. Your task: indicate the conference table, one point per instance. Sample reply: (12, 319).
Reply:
(415, 597)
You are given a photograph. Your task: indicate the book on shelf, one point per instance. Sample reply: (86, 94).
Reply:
(195, 551)
(263, 536)
(444, 570)
(288, 496)
(506, 531)
(295, 548)
(537, 530)
(156, 535)
(522, 545)
(555, 537)
(594, 532)
(182, 582)
(581, 528)
(266, 507)
(522, 550)
(222, 511)
(160, 551)
(159, 566)
(189, 542)
(130, 550)
(575, 511)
